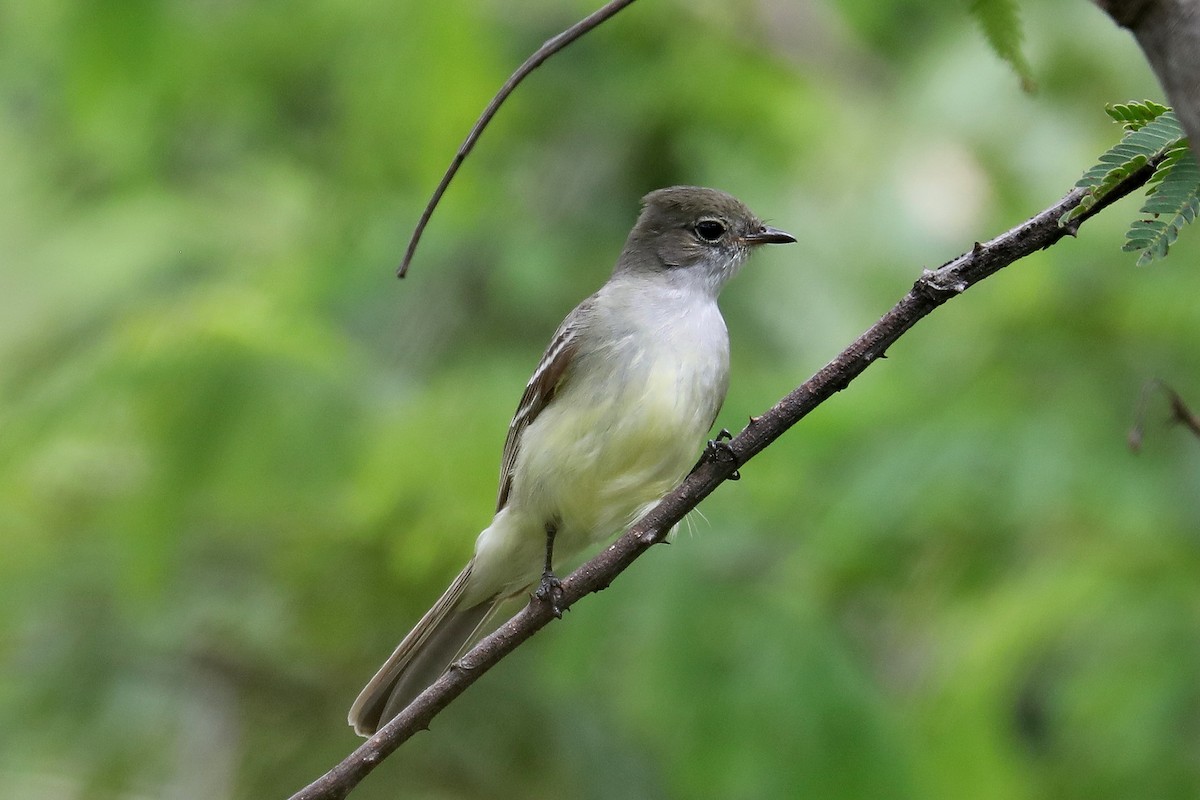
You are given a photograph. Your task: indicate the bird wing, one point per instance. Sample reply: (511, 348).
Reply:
(549, 376)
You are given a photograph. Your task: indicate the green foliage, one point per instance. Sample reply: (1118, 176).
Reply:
(1141, 143)
(238, 458)
(1001, 24)
(1152, 133)
(1173, 200)
(1134, 115)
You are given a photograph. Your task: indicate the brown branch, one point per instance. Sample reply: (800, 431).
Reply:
(933, 288)
(549, 48)
(1181, 414)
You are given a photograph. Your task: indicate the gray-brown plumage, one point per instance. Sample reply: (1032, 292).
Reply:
(610, 421)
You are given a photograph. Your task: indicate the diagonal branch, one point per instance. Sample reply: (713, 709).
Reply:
(549, 48)
(933, 288)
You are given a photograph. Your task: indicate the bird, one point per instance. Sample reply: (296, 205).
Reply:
(610, 421)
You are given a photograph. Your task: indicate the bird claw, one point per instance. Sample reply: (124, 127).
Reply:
(550, 591)
(718, 448)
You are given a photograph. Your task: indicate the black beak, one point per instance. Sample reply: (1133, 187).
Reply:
(768, 235)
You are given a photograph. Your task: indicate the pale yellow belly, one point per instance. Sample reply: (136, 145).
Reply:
(623, 430)
(592, 463)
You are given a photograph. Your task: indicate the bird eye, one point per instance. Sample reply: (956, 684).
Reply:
(709, 230)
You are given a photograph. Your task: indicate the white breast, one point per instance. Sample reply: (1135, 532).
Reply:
(651, 376)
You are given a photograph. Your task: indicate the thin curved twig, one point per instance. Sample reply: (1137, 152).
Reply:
(549, 48)
(932, 289)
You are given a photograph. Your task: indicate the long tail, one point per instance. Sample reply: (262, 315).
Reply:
(421, 658)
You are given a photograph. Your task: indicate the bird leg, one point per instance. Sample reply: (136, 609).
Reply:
(550, 588)
(717, 449)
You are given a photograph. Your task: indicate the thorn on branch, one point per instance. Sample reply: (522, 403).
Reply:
(653, 537)
(939, 286)
(462, 664)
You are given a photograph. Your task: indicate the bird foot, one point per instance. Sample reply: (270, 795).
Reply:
(550, 591)
(718, 449)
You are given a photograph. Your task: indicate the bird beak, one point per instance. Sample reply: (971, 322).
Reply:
(768, 235)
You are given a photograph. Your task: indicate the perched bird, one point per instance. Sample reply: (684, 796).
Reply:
(611, 420)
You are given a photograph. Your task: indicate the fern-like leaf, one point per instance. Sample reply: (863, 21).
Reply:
(1134, 114)
(1137, 148)
(1001, 24)
(1173, 199)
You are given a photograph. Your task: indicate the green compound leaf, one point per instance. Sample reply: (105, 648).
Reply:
(1134, 114)
(1173, 199)
(1148, 134)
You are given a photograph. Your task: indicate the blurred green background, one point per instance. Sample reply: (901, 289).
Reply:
(238, 458)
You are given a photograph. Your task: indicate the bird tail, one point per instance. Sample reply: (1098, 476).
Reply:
(421, 658)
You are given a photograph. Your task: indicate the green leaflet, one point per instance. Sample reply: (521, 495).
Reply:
(1173, 199)
(1151, 132)
(1138, 146)
(1134, 115)
(1001, 26)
